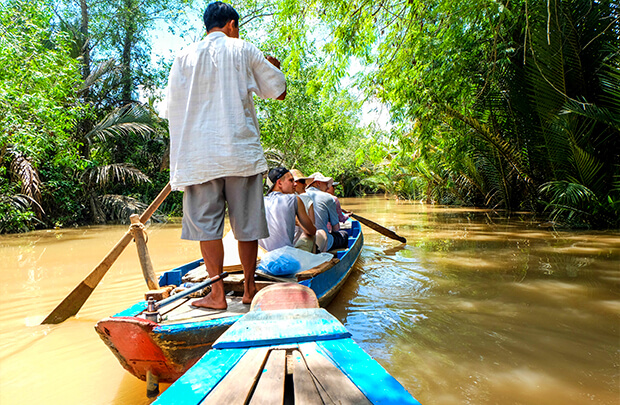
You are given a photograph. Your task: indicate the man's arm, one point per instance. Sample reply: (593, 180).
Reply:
(276, 63)
(311, 213)
(342, 217)
(332, 213)
(304, 220)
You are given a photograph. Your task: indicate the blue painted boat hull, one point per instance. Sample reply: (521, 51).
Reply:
(312, 332)
(168, 350)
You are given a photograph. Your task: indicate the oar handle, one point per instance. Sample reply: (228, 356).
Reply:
(155, 204)
(191, 290)
(74, 301)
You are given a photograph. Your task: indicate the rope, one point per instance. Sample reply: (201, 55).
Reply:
(139, 226)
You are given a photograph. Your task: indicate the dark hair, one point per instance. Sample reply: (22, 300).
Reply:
(276, 174)
(218, 14)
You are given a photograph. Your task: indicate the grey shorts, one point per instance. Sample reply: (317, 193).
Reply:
(204, 207)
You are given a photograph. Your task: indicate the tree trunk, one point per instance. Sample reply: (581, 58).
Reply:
(95, 209)
(85, 125)
(86, 46)
(128, 42)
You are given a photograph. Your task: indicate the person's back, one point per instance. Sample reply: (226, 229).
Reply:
(324, 208)
(325, 213)
(280, 210)
(210, 91)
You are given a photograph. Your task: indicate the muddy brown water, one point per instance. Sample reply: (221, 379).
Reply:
(477, 308)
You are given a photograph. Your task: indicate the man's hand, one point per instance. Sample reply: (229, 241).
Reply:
(276, 63)
(273, 61)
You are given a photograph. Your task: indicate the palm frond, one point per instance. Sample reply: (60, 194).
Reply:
(595, 113)
(102, 176)
(10, 220)
(23, 169)
(569, 200)
(103, 68)
(587, 167)
(497, 193)
(510, 152)
(20, 202)
(615, 186)
(118, 208)
(131, 118)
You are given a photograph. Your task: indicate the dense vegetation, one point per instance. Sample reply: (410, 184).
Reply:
(512, 105)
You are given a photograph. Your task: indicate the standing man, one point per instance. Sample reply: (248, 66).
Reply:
(215, 151)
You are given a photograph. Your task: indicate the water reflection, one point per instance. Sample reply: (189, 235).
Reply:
(477, 308)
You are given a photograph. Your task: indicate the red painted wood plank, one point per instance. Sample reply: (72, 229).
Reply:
(284, 296)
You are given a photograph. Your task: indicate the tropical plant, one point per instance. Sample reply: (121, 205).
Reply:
(503, 104)
(37, 99)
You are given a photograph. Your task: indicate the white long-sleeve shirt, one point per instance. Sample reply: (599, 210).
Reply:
(212, 120)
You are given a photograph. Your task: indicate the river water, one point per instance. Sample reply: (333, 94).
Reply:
(477, 308)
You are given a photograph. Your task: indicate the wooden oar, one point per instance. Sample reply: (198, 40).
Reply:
(74, 301)
(381, 229)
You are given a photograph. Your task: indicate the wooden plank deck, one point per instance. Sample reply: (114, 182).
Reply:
(259, 378)
(185, 311)
(237, 386)
(305, 391)
(270, 387)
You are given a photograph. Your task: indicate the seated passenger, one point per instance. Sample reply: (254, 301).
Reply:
(282, 209)
(342, 215)
(302, 241)
(325, 212)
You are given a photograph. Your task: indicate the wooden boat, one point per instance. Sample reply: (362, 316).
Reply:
(286, 354)
(164, 347)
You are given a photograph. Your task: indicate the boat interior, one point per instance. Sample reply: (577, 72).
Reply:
(185, 276)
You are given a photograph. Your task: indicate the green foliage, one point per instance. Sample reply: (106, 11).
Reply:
(61, 142)
(491, 100)
(38, 78)
(118, 208)
(506, 105)
(311, 131)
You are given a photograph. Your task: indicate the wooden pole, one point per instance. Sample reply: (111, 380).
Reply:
(379, 228)
(137, 230)
(74, 301)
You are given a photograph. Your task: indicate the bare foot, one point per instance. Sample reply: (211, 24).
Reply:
(210, 302)
(247, 298)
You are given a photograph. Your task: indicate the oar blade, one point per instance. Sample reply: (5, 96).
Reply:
(381, 229)
(70, 305)
(76, 299)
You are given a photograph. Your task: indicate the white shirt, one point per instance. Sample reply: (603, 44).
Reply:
(280, 210)
(213, 126)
